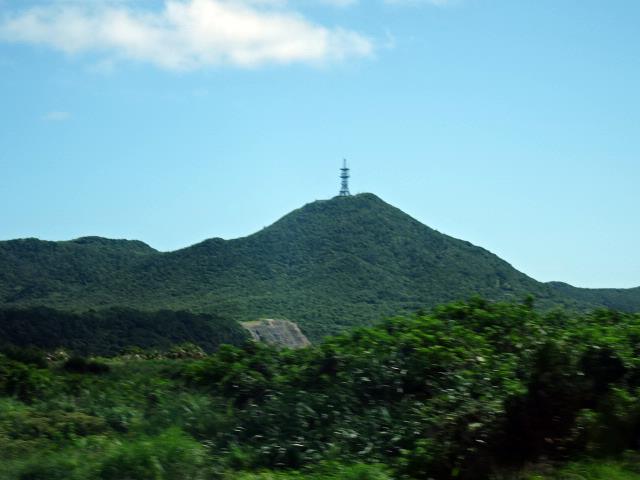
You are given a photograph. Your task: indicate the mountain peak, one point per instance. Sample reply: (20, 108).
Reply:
(359, 196)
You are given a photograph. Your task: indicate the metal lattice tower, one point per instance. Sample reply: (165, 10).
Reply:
(344, 176)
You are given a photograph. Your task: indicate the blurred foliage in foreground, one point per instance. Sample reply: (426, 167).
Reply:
(468, 390)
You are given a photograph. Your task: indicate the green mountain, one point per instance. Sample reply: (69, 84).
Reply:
(328, 265)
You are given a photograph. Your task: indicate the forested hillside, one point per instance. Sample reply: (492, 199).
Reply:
(330, 265)
(113, 330)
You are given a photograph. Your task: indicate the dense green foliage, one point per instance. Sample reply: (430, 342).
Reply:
(110, 331)
(621, 470)
(472, 390)
(327, 266)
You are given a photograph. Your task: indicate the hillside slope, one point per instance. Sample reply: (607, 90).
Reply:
(328, 265)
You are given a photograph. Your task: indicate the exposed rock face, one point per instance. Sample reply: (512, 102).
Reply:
(281, 333)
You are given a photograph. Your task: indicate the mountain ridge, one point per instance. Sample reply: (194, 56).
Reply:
(327, 265)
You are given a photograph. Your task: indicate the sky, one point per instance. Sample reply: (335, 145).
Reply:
(514, 125)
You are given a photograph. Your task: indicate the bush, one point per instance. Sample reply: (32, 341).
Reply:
(27, 355)
(326, 471)
(21, 380)
(49, 467)
(170, 456)
(82, 365)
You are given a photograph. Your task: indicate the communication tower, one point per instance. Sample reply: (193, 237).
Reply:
(344, 176)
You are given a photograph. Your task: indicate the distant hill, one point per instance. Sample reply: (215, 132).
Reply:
(328, 265)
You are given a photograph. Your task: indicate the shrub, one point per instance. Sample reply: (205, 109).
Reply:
(21, 380)
(27, 355)
(326, 471)
(169, 456)
(82, 365)
(49, 467)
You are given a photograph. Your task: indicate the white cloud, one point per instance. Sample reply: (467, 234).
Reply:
(185, 34)
(56, 116)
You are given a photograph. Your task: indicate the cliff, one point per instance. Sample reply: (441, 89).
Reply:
(281, 333)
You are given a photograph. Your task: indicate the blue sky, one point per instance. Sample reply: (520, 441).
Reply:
(512, 124)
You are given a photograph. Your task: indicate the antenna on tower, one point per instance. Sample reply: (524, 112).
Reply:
(344, 176)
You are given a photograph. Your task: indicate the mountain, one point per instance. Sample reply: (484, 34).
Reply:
(328, 265)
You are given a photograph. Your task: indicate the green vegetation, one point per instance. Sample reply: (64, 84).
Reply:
(469, 391)
(625, 468)
(327, 266)
(113, 330)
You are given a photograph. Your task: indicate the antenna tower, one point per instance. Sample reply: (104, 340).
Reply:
(344, 176)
